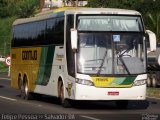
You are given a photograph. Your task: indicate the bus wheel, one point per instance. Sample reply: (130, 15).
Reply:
(64, 102)
(22, 91)
(122, 104)
(19, 82)
(154, 81)
(25, 94)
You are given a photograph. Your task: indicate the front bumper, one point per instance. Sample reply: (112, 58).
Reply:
(84, 92)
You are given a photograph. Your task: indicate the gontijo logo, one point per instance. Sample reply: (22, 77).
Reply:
(29, 55)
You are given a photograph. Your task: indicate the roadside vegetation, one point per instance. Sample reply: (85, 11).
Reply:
(9, 11)
(3, 67)
(153, 92)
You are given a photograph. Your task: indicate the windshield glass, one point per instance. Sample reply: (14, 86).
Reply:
(110, 23)
(108, 53)
(110, 45)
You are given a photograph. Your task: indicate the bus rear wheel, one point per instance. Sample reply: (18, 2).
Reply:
(19, 82)
(64, 102)
(25, 94)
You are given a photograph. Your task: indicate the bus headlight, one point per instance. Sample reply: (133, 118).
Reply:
(85, 82)
(139, 82)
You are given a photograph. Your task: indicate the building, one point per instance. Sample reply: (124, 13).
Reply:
(62, 3)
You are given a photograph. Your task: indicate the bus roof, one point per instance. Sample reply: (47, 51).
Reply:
(72, 10)
(102, 11)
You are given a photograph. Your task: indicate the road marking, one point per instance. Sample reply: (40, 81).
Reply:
(8, 98)
(92, 118)
(154, 98)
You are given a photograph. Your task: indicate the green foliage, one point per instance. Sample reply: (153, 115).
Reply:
(153, 22)
(3, 67)
(27, 8)
(97, 3)
(8, 8)
(9, 11)
(153, 92)
(22, 8)
(113, 4)
(5, 34)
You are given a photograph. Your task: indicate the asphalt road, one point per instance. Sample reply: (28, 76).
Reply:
(12, 107)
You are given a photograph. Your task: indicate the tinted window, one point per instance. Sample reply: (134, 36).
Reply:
(44, 32)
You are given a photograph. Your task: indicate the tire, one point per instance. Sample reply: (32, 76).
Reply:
(154, 81)
(25, 94)
(64, 102)
(19, 82)
(122, 104)
(149, 83)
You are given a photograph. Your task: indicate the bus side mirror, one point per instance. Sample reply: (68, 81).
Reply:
(152, 40)
(74, 39)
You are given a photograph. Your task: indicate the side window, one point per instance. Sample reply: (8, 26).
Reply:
(55, 31)
(14, 37)
(41, 32)
(59, 30)
(50, 31)
(17, 35)
(69, 52)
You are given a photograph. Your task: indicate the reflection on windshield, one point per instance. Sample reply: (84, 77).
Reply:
(99, 54)
(109, 23)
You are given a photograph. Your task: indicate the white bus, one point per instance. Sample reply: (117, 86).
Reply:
(81, 54)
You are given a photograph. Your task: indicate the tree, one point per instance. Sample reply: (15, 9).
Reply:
(151, 15)
(9, 11)
(113, 3)
(97, 3)
(21, 8)
(4, 9)
(153, 22)
(27, 8)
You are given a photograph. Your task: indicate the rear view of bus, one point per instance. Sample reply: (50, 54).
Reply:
(110, 55)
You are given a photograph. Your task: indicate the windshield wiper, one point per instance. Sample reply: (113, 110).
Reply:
(100, 68)
(122, 61)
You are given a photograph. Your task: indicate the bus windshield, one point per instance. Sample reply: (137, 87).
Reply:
(110, 23)
(103, 52)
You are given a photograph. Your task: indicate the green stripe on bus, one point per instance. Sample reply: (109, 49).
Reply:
(45, 65)
(128, 81)
(123, 81)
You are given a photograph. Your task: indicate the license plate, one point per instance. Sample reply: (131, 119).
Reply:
(113, 93)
